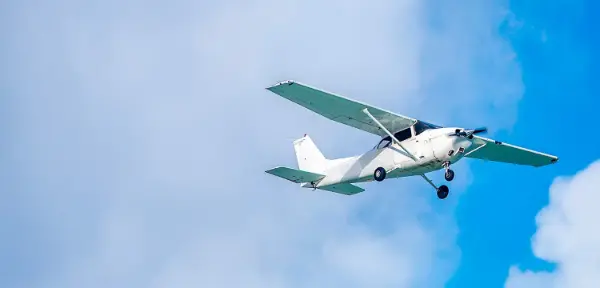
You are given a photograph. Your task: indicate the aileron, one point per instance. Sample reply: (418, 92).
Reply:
(341, 109)
(497, 151)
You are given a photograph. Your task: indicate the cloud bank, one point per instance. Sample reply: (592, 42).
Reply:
(566, 235)
(139, 133)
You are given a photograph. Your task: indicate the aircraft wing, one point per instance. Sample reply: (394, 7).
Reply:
(341, 109)
(491, 150)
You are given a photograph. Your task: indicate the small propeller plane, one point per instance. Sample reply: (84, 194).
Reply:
(408, 147)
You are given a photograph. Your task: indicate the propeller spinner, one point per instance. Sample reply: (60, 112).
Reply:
(468, 133)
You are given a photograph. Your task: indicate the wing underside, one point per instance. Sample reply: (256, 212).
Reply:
(341, 109)
(491, 150)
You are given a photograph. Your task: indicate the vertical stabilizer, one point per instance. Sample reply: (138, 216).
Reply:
(309, 157)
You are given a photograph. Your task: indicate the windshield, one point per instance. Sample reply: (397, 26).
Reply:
(421, 127)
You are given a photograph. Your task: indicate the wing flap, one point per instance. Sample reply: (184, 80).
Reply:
(341, 109)
(295, 175)
(496, 151)
(343, 188)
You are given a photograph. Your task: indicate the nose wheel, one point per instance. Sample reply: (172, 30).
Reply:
(449, 175)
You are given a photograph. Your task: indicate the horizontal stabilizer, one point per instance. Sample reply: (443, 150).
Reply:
(295, 175)
(343, 188)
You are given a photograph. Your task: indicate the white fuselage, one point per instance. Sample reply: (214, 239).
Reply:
(431, 149)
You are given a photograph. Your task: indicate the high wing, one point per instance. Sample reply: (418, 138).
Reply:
(341, 109)
(488, 149)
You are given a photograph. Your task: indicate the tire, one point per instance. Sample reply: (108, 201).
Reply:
(379, 174)
(449, 175)
(442, 192)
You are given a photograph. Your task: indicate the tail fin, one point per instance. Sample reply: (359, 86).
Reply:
(309, 157)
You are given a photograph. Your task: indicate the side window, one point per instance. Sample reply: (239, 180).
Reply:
(384, 142)
(403, 135)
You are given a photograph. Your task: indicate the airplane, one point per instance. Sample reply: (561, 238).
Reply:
(408, 146)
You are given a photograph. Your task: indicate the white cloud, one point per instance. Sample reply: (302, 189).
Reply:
(567, 235)
(142, 133)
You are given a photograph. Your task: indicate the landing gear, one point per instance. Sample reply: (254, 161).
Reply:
(379, 174)
(449, 175)
(442, 191)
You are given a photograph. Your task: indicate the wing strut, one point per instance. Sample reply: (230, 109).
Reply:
(482, 145)
(366, 111)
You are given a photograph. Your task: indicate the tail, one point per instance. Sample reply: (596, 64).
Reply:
(309, 157)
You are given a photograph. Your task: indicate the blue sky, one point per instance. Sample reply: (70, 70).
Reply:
(136, 136)
(497, 218)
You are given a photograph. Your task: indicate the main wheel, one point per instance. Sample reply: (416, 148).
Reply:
(379, 174)
(442, 192)
(449, 175)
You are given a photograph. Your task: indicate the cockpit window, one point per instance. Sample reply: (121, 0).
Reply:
(403, 134)
(400, 135)
(406, 134)
(421, 127)
(385, 142)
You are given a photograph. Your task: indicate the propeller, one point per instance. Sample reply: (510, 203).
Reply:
(468, 133)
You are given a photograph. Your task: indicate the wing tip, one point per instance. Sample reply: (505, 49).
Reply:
(288, 82)
(553, 160)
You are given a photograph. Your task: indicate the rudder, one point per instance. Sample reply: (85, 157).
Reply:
(309, 157)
